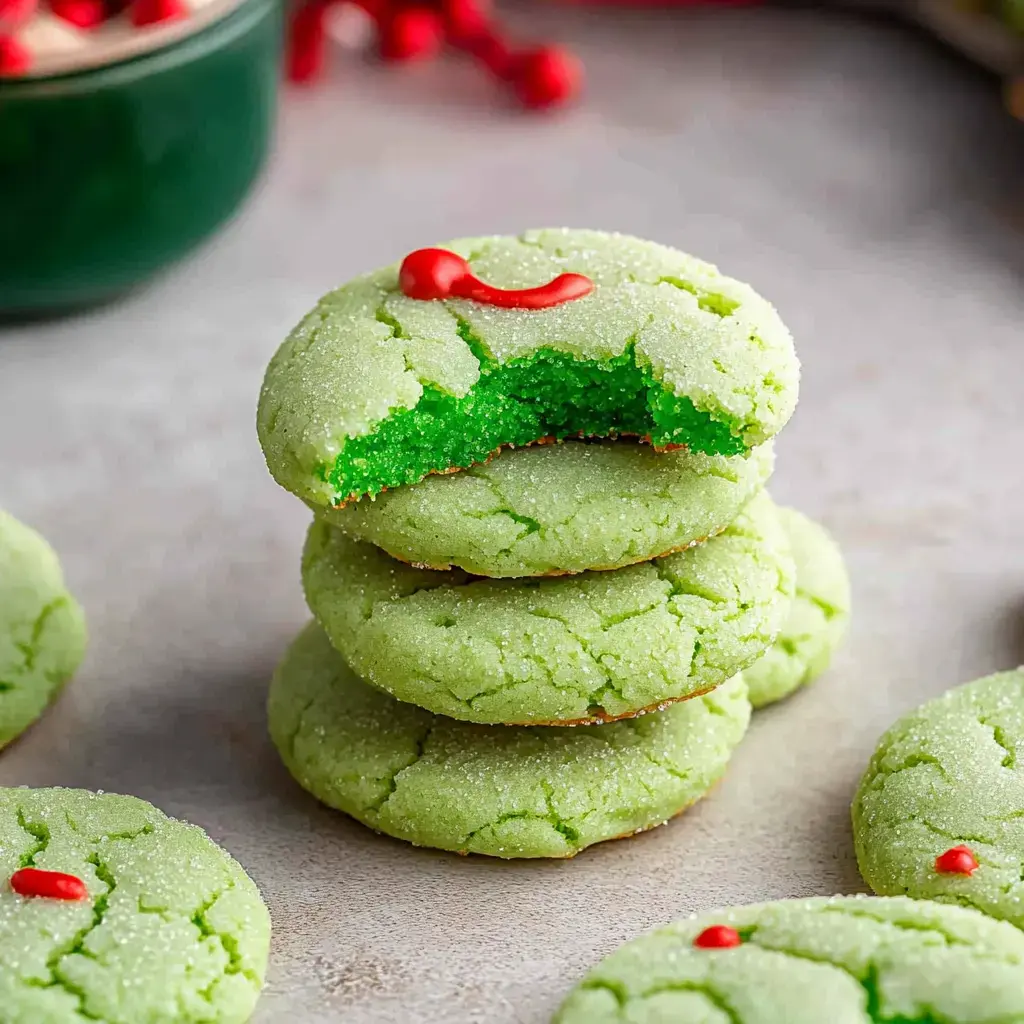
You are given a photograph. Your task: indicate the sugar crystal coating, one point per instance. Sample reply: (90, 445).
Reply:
(568, 507)
(504, 791)
(944, 776)
(839, 960)
(555, 650)
(374, 389)
(817, 619)
(173, 931)
(42, 628)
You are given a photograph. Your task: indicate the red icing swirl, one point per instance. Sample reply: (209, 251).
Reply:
(428, 274)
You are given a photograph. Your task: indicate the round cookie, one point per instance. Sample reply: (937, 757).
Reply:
(839, 960)
(550, 509)
(375, 389)
(42, 628)
(504, 791)
(943, 777)
(171, 931)
(564, 650)
(817, 619)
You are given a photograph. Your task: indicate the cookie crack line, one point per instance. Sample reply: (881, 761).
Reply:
(30, 649)
(393, 781)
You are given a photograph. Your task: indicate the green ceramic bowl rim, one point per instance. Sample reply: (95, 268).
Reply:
(231, 23)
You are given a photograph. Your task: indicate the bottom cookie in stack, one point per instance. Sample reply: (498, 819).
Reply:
(504, 791)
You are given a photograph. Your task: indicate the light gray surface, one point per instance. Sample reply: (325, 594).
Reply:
(859, 176)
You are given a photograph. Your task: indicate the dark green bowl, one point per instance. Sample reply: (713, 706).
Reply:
(109, 174)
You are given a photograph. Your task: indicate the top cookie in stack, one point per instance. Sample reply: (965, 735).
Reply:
(455, 562)
(375, 389)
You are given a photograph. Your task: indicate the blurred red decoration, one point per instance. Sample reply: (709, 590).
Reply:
(153, 12)
(80, 13)
(539, 77)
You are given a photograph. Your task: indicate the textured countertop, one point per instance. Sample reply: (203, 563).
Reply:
(860, 176)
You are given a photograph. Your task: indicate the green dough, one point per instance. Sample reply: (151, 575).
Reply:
(817, 618)
(516, 791)
(173, 931)
(947, 775)
(558, 650)
(844, 960)
(375, 390)
(558, 508)
(42, 628)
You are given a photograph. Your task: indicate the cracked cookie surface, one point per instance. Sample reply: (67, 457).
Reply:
(173, 930)
(503, 791)
(592, 647)
(374, 390)
(42, 628)
(817, 618)
(839, 960)
(551, 509)
(947, 775)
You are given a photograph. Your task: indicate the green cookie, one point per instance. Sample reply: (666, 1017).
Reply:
(515, 791)
(42, 629)
(173, 931)
(550, 509)
(563, 650)
(374, 389)
(817, 618)
(944, 776)
(844, 960)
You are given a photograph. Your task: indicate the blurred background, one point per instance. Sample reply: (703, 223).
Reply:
(131, 130)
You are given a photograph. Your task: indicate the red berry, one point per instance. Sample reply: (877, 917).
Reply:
(547, 77)
(54, 885)
(14, 13)
(960, 860)
(14, 57)
(718, 936)
(413, 33)
(307, 43)
(152, 12)
(80, 13)
(431, 273)
(463, 20)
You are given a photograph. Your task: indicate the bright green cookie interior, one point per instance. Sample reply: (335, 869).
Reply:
(42, 628)
(374, 390)
(844, 960)
(504, 791)
(817, 618)
(945, 775)
(557, 508)
(173, 931)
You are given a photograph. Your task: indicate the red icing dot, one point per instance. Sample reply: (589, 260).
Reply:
(439, 274)
(718, 936)
(960, 860)
(52, 885)
(152, 12)
(412, 33)
(547, 77)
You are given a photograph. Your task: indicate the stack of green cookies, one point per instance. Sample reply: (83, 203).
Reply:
(471, 605)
